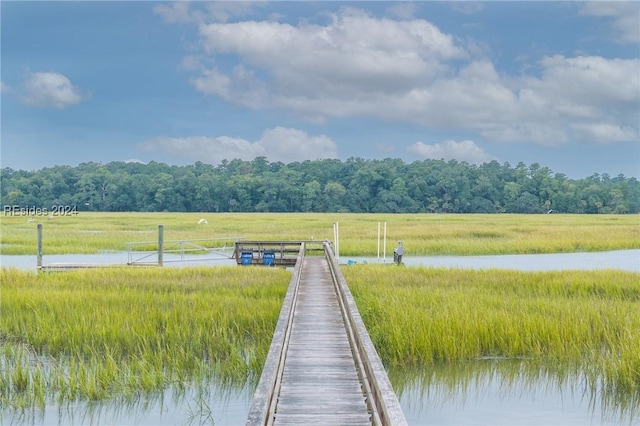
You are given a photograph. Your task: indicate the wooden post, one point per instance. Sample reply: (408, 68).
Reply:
(39, 248)
(160, 244)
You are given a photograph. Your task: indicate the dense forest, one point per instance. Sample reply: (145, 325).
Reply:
(354, 185)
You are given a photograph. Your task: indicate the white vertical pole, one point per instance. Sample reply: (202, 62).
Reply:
(337, 241)
(378, 241)
(384, 250)
(335, 237)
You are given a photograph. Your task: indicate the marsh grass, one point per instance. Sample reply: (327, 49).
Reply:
(476, 381)
(423, 234)
(582, 320)
(120, 333)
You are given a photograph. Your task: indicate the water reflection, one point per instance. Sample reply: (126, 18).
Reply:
(626, 260)
(508, 392)
(491, 391)
(214, 403)
(28, 262)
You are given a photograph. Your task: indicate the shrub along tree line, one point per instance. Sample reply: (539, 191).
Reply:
(355, 185)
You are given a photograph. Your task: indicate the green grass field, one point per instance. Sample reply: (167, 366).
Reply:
(422, 234)
(119, 333)
(122, 332)
(582, 320)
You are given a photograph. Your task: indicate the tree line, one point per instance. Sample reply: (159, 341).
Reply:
(355, 185)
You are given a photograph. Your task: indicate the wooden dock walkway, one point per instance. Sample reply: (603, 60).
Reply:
(320, 383)
(322, 368)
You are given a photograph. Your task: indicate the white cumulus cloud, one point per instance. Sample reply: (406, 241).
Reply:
(277, 144)
(288, 145)
(178, 12)
(50, 90)
(345, 68)
(604, 132)
(407, 70)
(574, 94)
(402, 10)
(219, 11)
(624, 17)
(466, 150)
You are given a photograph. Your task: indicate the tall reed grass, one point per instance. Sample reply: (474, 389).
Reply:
(475, 382)
(423, 316)
(118, 333)
(422, 234)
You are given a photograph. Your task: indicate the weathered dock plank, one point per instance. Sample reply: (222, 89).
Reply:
(320, 383)
(322, 368)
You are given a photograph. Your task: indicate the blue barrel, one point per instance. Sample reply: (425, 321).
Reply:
(246, 257)
(269, 258)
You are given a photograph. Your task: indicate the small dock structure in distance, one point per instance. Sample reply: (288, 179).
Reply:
(271, 253)
(322, 368)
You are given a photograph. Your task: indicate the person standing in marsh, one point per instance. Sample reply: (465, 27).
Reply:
(398, 252)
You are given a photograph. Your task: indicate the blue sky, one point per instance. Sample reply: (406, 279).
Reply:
(554, 83)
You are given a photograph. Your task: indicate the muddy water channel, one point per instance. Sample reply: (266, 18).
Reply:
(481, 392)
